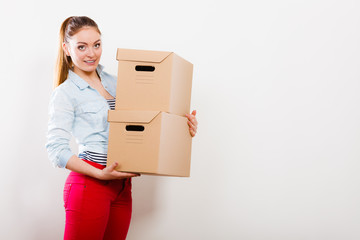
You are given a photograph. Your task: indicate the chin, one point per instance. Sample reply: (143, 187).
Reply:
(89, 68)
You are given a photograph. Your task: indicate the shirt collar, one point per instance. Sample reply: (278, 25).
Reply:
(81, 83)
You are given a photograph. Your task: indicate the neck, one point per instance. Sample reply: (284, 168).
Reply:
(87, 76)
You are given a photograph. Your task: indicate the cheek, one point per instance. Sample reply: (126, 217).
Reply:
(99, 52)
(77, 55)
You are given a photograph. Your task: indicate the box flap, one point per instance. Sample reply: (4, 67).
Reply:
(131, 116)
(141, 55)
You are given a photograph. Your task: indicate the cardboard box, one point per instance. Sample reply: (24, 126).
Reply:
(149, 142)
(153, 80)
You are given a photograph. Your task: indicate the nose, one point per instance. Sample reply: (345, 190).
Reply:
(90, 52)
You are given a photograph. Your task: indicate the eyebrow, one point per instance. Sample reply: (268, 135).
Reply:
(86, 43)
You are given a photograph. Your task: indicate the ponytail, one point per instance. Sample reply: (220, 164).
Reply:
(68, 28)
(63, 62)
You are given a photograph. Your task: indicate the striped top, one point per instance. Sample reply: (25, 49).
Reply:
(111, 103)
(95, 157)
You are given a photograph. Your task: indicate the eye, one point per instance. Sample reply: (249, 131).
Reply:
(81, 47)
(97, 45)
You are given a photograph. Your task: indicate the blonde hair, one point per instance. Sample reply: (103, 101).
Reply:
(69, 28)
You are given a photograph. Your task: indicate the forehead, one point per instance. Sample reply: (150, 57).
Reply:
(86, 35)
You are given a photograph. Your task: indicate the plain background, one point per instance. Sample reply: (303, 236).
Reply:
(276, 86)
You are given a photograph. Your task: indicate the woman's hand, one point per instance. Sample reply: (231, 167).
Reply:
(192, 122)
(109, 173)
(77, 165)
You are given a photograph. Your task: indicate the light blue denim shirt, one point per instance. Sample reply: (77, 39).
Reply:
(77, 109)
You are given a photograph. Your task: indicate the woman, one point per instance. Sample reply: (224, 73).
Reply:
(97, 198)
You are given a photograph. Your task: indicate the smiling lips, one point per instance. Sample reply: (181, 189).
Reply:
(90, 62)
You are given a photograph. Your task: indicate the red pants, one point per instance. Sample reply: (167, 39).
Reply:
(96, 209)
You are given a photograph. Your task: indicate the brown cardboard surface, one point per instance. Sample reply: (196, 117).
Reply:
(162, 148)
(132, 116)
(166, 88)
(141, 55)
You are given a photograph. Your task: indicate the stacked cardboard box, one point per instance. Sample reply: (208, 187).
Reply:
(148, 128)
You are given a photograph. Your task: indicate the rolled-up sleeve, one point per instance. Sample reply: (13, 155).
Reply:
(61, 118)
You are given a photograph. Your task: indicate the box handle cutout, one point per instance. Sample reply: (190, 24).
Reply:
(135, 128)
(143, 68)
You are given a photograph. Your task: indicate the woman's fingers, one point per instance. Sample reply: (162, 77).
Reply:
(192, 133)
(192, 122)
(113, 166)
(118, 174)
(192, 126)
(110, 173)
(192, 129)
(192, 118)
(128, 175)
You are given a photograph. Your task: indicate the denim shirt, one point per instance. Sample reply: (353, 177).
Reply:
(77, 109)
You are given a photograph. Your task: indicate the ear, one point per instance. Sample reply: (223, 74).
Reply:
(66, 50)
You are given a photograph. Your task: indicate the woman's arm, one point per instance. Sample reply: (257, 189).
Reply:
(61, 119)
(109, 173)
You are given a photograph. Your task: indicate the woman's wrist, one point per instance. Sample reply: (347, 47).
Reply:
(96, 173)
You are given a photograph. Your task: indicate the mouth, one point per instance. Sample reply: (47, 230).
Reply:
(90, 61)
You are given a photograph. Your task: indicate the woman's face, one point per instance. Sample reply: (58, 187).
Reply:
(85, 49)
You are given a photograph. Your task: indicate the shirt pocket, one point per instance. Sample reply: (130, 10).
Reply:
(94, 114)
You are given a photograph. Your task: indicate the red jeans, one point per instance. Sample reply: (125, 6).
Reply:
(96, 209)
